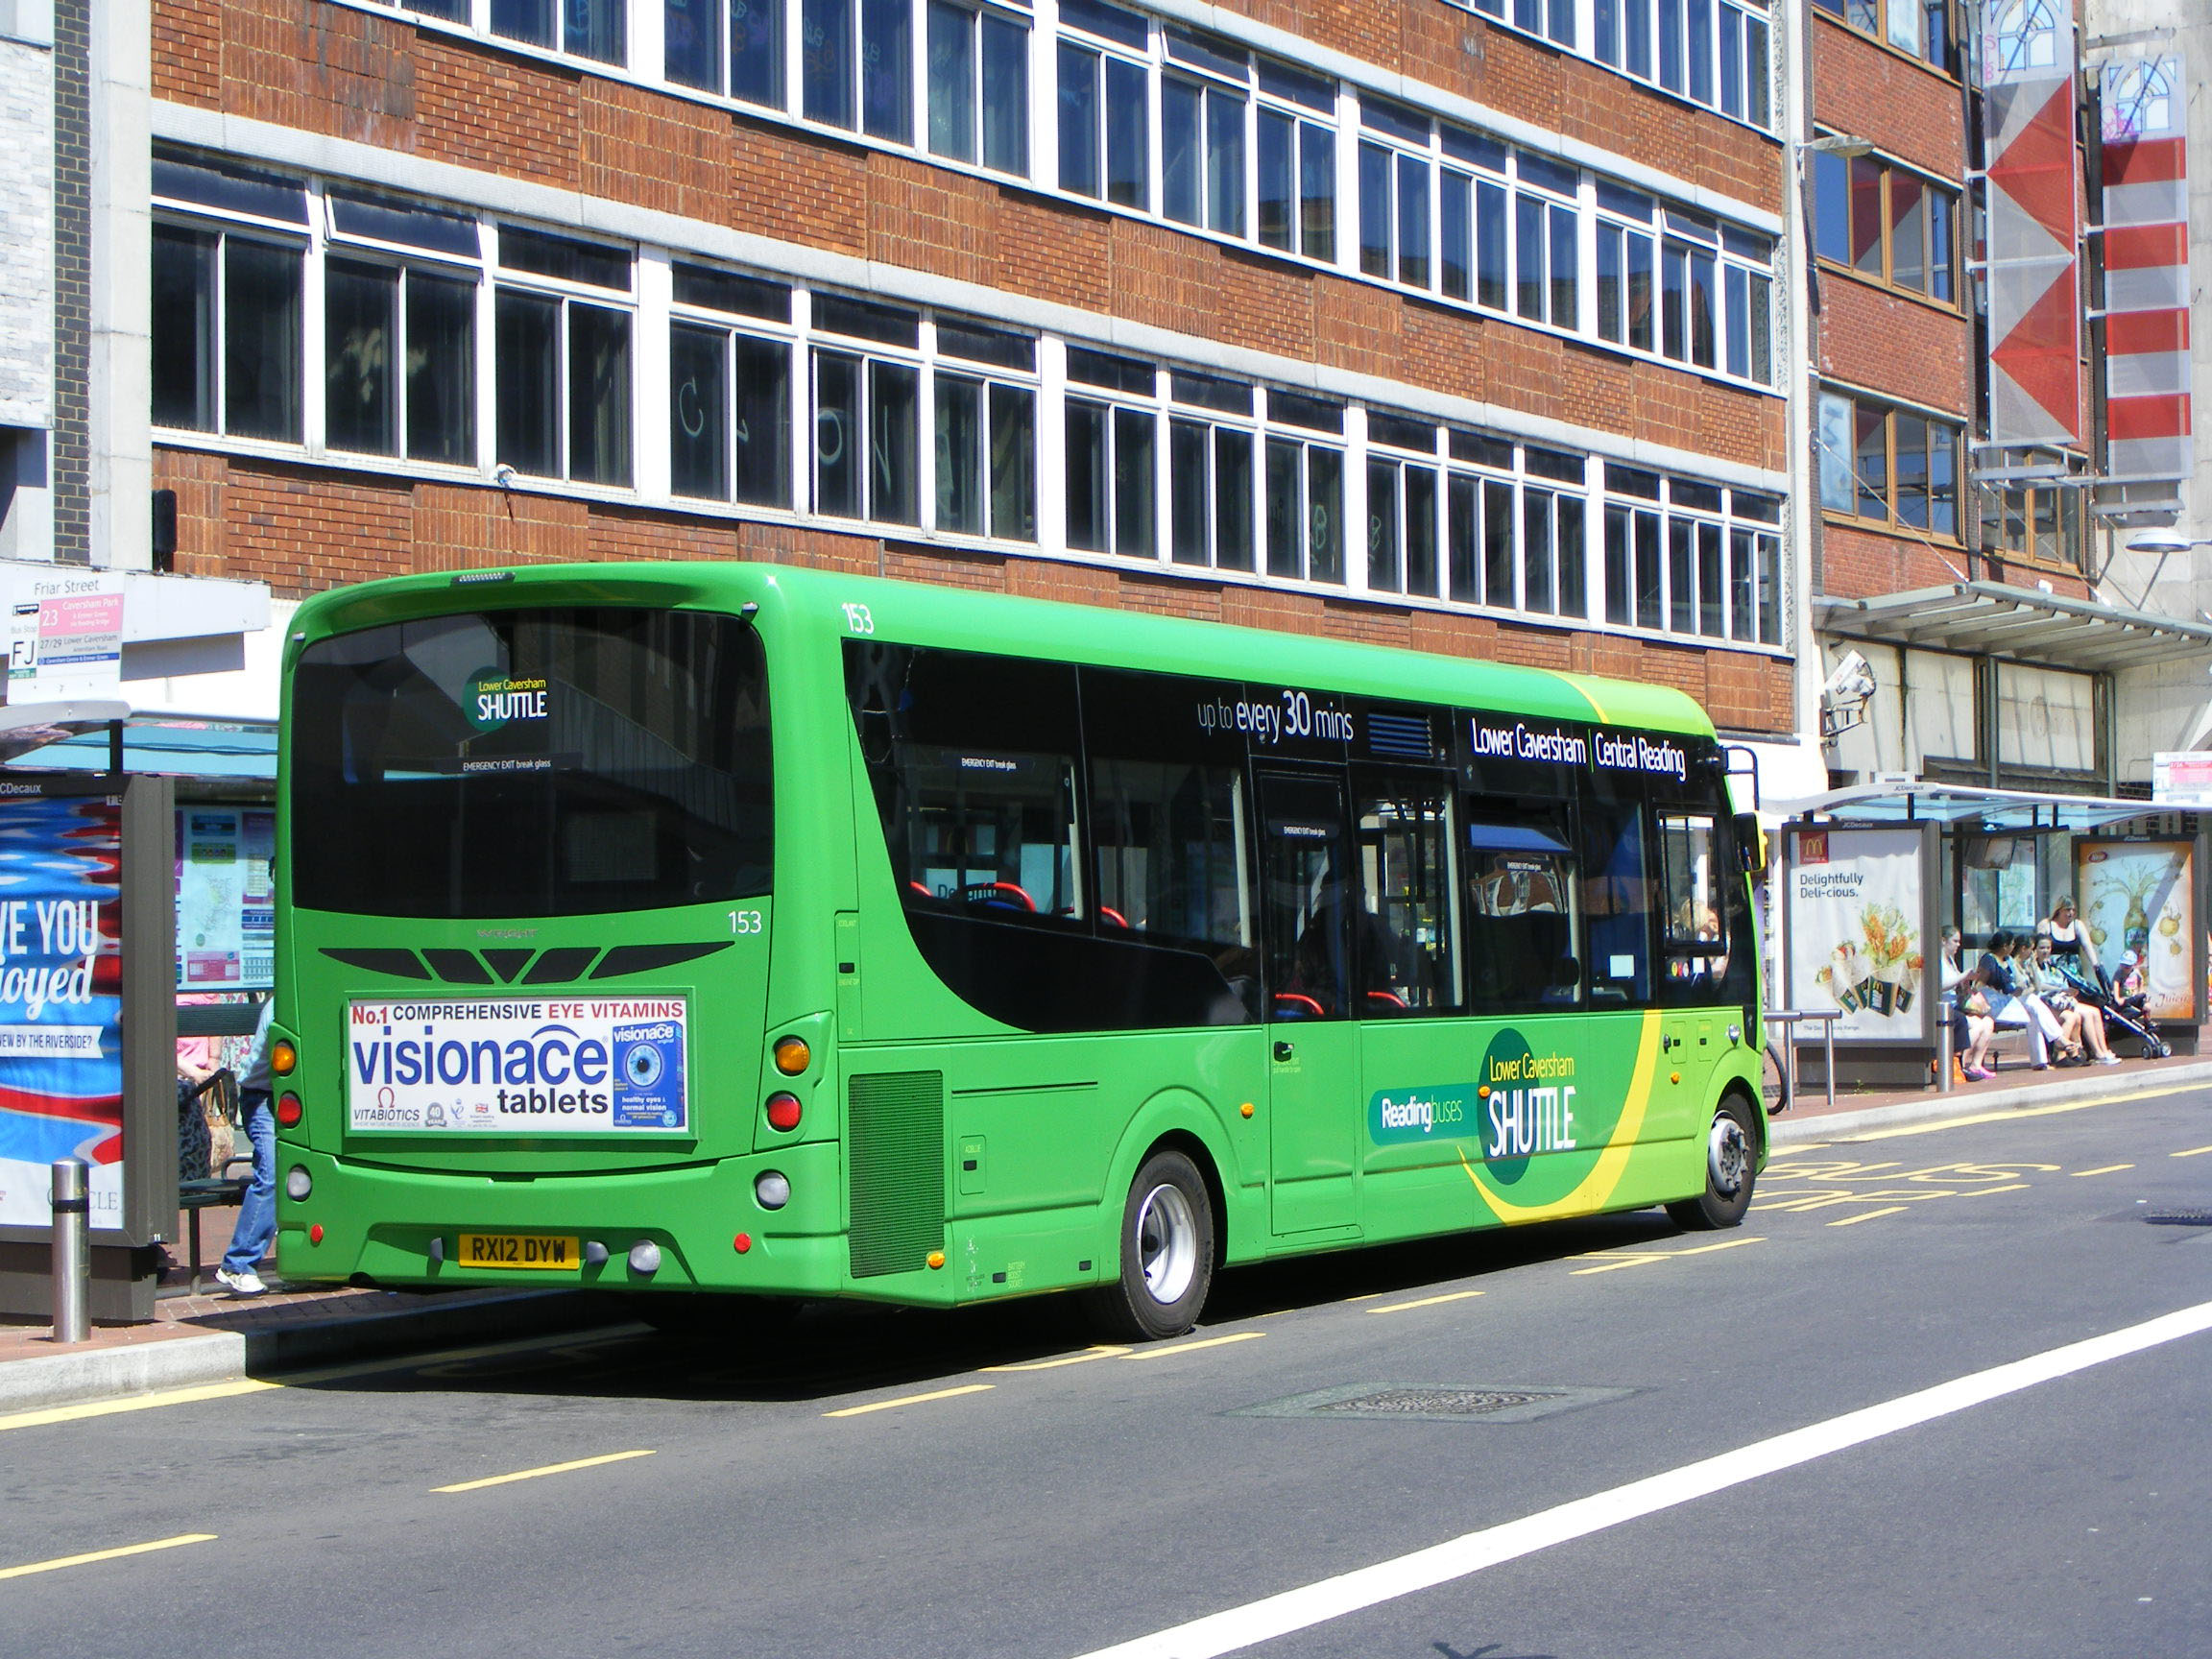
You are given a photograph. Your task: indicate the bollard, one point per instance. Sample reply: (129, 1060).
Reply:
(1944, 1041)
(72, 1250)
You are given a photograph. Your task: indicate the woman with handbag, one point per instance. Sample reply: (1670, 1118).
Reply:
(1972, 1029)
(2012, 1000)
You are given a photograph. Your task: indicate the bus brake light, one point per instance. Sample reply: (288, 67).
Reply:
(288, 1110)
(784, 1111)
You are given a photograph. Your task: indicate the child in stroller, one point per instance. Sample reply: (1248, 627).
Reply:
(2121, 1001)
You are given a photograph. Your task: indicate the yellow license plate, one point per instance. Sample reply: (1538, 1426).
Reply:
(519, 1252)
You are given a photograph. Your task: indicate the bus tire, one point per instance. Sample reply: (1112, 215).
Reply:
(1731, 1163)
(1167, 1250)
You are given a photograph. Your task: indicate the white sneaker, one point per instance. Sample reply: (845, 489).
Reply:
(246, 1284)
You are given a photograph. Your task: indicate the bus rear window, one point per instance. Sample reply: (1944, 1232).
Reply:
(549, 762)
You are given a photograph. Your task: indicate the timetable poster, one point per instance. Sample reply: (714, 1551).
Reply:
(1855, 940)
(226, 899)
(61, 1002)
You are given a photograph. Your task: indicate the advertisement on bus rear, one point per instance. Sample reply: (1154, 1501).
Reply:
(519, 1066)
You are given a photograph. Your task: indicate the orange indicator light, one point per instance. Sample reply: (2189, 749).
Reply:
(792, 1056)
(282, 1057)
(936, 1258)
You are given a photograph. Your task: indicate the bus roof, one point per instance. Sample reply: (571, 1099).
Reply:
(908, 613)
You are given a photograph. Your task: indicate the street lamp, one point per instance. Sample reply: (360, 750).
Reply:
(2164, 541)
(1846, 145)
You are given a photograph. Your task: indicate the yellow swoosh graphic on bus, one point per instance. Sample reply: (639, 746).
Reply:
(1583, 690)
(1595, 1188)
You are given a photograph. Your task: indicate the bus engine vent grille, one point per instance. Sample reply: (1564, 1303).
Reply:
(897, 1147)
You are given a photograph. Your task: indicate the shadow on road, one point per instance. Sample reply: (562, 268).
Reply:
(834, 1349)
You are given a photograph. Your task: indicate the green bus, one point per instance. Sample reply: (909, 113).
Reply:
(732, 928)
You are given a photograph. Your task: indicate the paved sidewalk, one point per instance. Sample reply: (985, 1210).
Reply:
(214, 1337)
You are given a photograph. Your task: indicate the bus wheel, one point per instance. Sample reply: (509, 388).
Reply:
(1166, 1254)
(1729, 1157)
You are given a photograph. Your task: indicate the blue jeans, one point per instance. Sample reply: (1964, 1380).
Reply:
(256, 1225)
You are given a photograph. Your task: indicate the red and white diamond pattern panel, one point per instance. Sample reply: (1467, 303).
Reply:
(2146, 270)
(2035, 228)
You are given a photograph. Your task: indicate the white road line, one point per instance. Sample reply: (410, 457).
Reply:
(1311, 1604)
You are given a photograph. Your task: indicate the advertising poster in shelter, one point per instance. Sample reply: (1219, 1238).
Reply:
(226, 899)
(2141, 895)
(1855, 945)
(60, 1001)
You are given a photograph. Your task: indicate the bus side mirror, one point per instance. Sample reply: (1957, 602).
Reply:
(1751, 844)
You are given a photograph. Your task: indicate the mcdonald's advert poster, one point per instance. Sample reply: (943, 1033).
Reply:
(61, 1002)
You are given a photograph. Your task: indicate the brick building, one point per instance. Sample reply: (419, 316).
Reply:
(1137, 306)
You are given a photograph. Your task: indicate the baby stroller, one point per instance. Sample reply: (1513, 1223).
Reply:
(2123, 1016)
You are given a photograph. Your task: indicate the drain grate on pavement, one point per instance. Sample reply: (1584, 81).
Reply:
(1383, 1402)
(2179, 1217)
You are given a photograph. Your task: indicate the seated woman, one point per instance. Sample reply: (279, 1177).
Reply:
(2081, 1023)
(1971, 1032)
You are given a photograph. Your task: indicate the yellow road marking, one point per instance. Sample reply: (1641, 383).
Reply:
(1869, 1216)
(1984, 1191)
(1425, 1302)
(1192, 1347)
(912, 1400)
(60, 1561)
(1616, 1259)
(532, 1474)
(2193, 1152)
(136, 1402)
(1083, 1359)
(2104, 1170)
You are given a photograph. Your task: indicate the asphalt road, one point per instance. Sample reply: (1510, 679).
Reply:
(876, 1482)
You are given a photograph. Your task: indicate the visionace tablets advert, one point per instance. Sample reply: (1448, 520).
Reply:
(522, 1066)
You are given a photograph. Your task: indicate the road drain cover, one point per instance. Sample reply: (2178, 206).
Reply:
(1479, 1403)
(2179, 1217)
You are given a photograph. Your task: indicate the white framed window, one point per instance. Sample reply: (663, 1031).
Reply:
(1304, 487)
(1211, 478)
(595, 29)
(1111, 458)
(978, 86)
(399, 291)
(562, 357)
(867, 400)
(1405, 505)
(1295, 162)
(1105, 75)
(729, 354)
(229, 255)
(1712, 51)
(1692, 559)
(984, 398)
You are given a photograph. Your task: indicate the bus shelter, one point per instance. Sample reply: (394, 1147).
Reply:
(1870, 876)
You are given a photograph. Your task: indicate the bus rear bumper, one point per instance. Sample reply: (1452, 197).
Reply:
(693, 1229)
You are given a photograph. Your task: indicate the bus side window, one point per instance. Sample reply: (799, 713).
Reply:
(1173, 865)
(1617, 904)
(1695, 945)
(1522, 886)
(1408, 962)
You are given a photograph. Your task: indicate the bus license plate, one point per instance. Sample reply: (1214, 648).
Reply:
(523, 1252)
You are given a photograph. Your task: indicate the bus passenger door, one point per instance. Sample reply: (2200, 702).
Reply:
(1313, 1098)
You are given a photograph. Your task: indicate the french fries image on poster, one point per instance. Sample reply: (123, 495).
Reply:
(649, 1075)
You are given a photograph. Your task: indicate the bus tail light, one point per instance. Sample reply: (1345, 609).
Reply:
(288, 1110)
(792, 1056)
(784, 1111)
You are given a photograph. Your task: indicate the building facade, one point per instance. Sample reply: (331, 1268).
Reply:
(1463, 330)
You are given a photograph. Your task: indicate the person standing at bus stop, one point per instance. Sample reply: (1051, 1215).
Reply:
(256, 1227)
